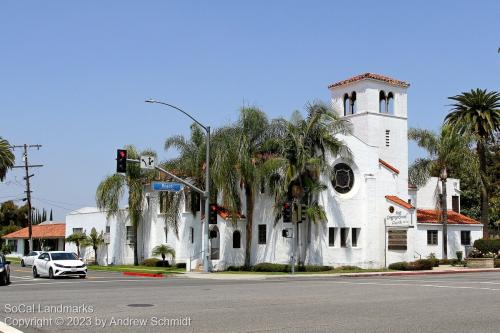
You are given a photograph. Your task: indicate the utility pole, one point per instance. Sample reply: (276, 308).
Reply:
(26, 167)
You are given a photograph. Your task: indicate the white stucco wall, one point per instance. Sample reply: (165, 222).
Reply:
(427, 194)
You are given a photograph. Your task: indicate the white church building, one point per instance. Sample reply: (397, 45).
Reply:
(374, 216)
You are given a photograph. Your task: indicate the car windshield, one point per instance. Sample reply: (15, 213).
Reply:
(64, 256)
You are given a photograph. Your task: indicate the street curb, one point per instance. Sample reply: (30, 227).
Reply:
(153, 275)
(456, 271)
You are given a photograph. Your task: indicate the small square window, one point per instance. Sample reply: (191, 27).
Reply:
(130, 234)
(432, 237)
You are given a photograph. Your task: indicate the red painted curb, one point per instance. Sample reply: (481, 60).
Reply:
(154, 275)
(425, 272)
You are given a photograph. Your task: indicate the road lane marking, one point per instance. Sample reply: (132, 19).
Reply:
(442, 281)
(66, 282)
(415, 285)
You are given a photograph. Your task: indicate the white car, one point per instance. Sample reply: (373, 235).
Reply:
(28, 259)
(59, 263)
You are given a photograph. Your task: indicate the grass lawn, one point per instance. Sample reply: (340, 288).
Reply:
(138, 269)
(13, 260)
(332, 271)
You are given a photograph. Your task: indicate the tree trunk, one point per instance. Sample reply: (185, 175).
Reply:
(136, 256)
(249, 228)
(481, 150)
(95, 255)
(78, 248)
(444, 208)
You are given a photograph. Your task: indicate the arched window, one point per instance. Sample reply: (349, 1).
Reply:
(347, 104)
(236, 239)
(382, 102)
(353, 103)
(390, 103)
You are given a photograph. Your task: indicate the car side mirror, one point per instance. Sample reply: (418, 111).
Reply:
(7, 262)
(46, 259)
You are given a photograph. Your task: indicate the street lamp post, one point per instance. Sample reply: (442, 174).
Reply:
(204, 242)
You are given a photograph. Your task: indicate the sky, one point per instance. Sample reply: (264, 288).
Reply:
(74, 75)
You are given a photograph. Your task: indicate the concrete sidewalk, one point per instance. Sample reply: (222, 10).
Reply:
(263, 276)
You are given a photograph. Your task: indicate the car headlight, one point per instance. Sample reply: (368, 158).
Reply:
(1, 269)
(57, 265)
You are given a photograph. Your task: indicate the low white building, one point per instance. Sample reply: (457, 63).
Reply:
(374, 217)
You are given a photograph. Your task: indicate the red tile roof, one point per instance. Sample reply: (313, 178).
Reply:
(432, 216)
(399, 201)
(388, 166)
(56, 230)
(372, 76)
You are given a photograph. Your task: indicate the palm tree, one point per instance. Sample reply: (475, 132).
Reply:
(111, 190)
(293, 173)
(477, 113)
(6, 158)
(445, 150)
(163, 250)
(78, 238)
(94, 240)
(238, 152)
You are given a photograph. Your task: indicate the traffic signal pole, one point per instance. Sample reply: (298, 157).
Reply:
(206, 193)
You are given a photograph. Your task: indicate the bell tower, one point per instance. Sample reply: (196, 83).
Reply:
(376, 106)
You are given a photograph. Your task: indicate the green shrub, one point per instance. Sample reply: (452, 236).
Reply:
(433, 259)
(399, 266)
(487, 245)
(313, 268)
(151, 262)
(349, 268)
(6, 249)
(268, 267)
(497, 263)
(162, 263)
(460, 255)
(421, 265)
(445, 261)
(181, 265)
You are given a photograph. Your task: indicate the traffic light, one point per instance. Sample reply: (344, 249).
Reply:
(287, 212)
(121, 161)
(212, 214)
(303, 213)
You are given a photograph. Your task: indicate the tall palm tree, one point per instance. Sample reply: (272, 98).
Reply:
(238, 154)
(305, 145)
(444, 150)
(477, 113)
(111, 190)
(6, 158)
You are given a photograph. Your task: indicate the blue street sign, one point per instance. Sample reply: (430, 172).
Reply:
(164, 186)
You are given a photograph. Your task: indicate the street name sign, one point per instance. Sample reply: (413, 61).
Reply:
(166, 186)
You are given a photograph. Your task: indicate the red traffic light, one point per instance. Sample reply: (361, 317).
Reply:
(286, 205)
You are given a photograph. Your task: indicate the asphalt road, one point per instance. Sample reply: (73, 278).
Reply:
(427, 303)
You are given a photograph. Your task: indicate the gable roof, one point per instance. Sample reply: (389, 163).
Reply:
(388, 166)
(432, 216)
(46, 231)
(398, 201)
(372, 76)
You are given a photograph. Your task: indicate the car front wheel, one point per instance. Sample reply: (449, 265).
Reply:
(83, 276)
(3, 279)
(22, 263)
(51, 273)
(35, 273)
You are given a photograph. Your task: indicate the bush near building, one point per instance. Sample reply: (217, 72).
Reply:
(487, 245)
(418, 265)
(279, 268)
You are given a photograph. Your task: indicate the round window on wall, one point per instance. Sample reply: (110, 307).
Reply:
(343, 178)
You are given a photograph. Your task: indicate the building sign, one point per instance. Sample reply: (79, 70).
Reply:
(397, 239)
(398, 219)
(165, 186)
